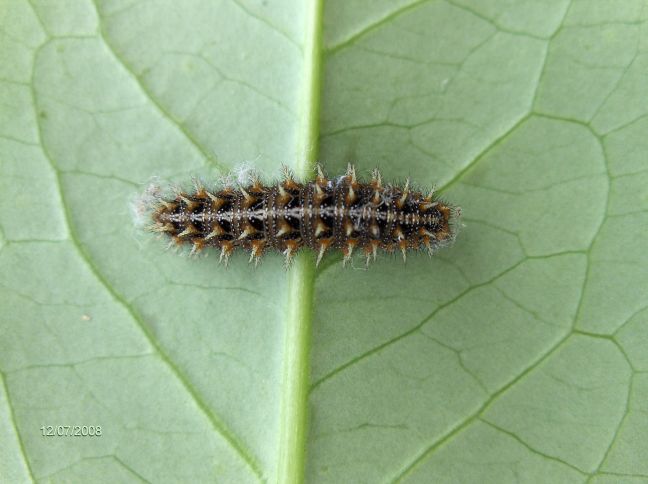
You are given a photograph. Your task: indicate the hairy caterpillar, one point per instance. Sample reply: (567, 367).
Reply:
(323, 214)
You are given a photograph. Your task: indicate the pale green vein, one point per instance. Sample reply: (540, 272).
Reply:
(467, 422)
(130, 469)
(301, 279)
(520, 306)
(628, 320)
(374, 26)
(460, 360)
(409, 468)
(626, 413)
(515, 125)
(598, 230)
(531, 449)
(213, 288)
(206, 155)
(625, 125)
(416, 328)
(38, 17)
(617, 83)
(483, 153)
(412, 330)
(620, 474)
(217, 424)
(227, 78)
(12, 418)
(104, 177)
(494, 23)
(73, 364)
(18, 140)
(546, 54)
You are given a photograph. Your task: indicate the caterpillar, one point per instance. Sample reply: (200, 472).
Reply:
(342, 213)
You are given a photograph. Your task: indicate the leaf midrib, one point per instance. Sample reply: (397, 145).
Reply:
(301, 278)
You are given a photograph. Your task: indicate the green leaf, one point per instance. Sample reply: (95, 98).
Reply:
(517, 355)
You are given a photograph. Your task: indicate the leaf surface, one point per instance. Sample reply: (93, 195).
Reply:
(517, 355)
